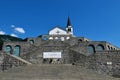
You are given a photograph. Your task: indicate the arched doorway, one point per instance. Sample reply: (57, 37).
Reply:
(100, 48)
(8, 49)
(32, 42)
(17, 50)
(91, 49)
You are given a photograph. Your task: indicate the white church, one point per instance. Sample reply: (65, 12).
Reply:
(60, 31)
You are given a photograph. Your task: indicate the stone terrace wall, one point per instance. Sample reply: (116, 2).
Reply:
(104, 62)
(1, 59)
(10, 61)
(24, 46)
(108, 62)
(36, 53)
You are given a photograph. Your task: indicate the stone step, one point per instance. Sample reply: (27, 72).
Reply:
(52, 72)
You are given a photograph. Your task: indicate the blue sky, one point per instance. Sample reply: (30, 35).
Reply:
(97, 20)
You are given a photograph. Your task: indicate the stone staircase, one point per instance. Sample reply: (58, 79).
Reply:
(52, 72)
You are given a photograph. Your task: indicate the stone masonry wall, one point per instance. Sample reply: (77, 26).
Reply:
(24, 46)
(108, 62)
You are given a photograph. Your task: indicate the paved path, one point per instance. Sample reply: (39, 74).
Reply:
(52, 72)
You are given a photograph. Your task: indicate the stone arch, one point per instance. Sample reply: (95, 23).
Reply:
(111, 48)
(100, 47)
(80, 40)
(45, 37)
(114, 48)
(16, 51)
(91, 49)
(8, 49)
(108, 47)
(31, 41)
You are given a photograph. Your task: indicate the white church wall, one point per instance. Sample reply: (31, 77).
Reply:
(57, 31)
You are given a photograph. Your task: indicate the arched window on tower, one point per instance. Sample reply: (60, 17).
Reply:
(8, 49)
(16, 50)
(69, 29)
(32, 42)
(100, 47)
(91, 49)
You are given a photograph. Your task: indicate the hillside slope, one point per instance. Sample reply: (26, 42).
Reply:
(5, 38)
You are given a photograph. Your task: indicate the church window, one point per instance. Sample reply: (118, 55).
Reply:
(31, 41)
(8, 49)
(91, 49)
(100, 47)
(16, 51)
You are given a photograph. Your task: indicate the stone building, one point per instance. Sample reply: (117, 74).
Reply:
(61, 46)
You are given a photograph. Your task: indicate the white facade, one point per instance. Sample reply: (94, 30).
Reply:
(57, 31)
(60, 31)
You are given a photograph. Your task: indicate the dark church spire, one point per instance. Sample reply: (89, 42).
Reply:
(68, 22)
(69, 28)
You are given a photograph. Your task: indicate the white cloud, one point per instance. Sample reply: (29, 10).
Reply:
(14, 35)
(2, 33)
(20, 30)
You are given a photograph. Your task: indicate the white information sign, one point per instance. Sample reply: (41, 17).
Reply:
(51, 54)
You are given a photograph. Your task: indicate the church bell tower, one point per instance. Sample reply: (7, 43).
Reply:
(69, 27)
